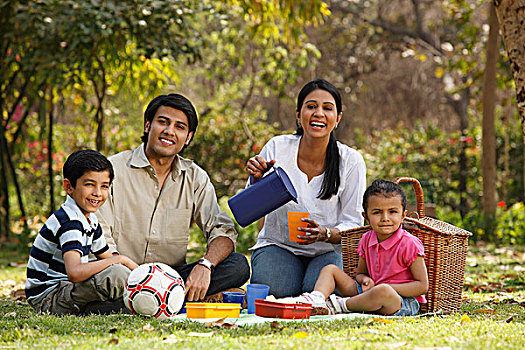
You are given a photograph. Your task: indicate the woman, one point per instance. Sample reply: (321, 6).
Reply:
(330, 179)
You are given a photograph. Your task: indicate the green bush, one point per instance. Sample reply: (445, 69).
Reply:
(511, 224)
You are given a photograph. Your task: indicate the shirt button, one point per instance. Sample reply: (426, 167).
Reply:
(156, 187)
(154, 232)
(149, 254)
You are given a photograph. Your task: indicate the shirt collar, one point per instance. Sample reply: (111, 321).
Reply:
(139, 160)
(74, 209)
(390, 241)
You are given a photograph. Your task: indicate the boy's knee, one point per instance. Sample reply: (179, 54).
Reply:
(118, 274)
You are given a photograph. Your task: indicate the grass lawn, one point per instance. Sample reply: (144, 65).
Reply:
(491, 317)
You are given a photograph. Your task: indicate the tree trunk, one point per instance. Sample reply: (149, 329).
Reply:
(511, 14)
(50, 156)
(100, 93)
(99, 118)
(463, 161)
(4, 193)
(488, 160)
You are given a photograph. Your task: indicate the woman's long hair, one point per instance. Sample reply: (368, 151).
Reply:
(332, 179)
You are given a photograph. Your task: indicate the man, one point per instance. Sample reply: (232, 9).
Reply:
(157, 195)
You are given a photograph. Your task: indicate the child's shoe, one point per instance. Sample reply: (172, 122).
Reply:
(336, 304)
(316, 299)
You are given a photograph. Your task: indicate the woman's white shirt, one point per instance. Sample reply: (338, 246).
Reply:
(342, 210)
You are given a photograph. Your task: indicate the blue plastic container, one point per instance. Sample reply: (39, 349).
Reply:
(233, 297)
(269, 193)
(255, 291)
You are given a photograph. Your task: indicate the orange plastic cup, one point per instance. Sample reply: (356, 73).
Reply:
(294, 222)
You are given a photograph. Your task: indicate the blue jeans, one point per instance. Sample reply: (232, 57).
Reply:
(409, 305)
(288, 274)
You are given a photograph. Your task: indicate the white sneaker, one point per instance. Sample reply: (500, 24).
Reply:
(305, 298)
(332, 303)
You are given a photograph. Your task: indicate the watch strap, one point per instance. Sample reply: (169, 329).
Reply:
(328, 233)
(206, 263)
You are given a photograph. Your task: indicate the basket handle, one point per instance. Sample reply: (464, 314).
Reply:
(419, 193)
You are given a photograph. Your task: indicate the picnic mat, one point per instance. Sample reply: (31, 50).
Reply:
(251, 319)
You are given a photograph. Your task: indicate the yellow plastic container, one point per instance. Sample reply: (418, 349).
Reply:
(212, 310)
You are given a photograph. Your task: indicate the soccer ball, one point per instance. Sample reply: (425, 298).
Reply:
(155, 290)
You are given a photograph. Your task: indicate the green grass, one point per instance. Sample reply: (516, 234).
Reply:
(491, 317)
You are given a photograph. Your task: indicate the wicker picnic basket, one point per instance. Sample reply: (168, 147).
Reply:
(445, 253)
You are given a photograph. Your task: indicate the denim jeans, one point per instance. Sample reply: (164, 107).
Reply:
(409, 305)
(232, 272)
(288, 274)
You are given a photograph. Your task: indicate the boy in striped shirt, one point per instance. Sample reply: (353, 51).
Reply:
(60, 277)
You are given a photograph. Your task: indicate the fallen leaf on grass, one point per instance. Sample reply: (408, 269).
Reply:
(377, 319)
(221, 323)
(465, 319)
(453, 339)
(172, 338)
(198, 334)
(507, 320)
(300, 335)
(147, 327)
(487, 311)
(10, 314)
(395, 345)
(113, 341)
(276, 325)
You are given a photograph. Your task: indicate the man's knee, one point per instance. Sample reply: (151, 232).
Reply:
(236, 267)
(242, 267)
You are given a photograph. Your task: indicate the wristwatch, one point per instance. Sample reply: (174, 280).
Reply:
(206, 263)
(328, 234)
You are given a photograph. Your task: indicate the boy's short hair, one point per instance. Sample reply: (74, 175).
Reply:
(80, 162)
(384, 188)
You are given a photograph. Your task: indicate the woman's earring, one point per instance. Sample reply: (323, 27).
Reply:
(336, 125)
(297, 123)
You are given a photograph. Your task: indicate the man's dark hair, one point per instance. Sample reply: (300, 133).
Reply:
(80, 162)
(331, 178)
(384, 188)
(175, 101)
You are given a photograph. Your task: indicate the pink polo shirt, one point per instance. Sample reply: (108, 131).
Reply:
(390, 260)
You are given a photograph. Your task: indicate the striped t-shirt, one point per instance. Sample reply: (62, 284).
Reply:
(67, 229)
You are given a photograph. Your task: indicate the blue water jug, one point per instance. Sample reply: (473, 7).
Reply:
(269, 193)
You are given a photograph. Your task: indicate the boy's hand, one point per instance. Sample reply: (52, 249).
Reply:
(130, 264)
(367, 283)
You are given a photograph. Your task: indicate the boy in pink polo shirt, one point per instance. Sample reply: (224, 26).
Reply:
(391, 273)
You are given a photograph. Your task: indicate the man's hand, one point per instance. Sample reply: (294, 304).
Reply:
(197, 283)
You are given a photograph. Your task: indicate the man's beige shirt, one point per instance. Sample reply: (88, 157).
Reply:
(150, 224)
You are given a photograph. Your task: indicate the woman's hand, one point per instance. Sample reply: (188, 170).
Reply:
(313, 233)
(257, 166)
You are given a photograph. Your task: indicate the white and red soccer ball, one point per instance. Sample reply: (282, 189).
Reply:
(155, 290)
